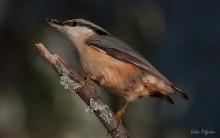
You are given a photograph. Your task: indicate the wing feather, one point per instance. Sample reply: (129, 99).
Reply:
(118, 49)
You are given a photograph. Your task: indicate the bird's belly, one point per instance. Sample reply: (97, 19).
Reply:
(110, 72)
(125, 79)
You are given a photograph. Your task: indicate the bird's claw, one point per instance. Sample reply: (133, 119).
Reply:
(86, 82)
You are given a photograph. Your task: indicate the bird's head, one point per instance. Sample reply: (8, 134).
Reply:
(76, 28)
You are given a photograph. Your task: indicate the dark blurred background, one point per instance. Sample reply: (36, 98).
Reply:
(180, 38)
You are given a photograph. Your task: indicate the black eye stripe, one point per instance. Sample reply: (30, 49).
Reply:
(74, 23)
(71, 23)
(84, 23)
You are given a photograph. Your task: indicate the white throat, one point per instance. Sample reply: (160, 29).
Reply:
(76, 32)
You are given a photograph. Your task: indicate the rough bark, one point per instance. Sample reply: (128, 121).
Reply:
(70, 79)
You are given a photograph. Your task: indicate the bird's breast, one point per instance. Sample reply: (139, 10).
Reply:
(108, 71)
(125, 79)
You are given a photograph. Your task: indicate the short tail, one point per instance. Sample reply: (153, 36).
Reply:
(181, 93)
(161, 96)
(166, 96)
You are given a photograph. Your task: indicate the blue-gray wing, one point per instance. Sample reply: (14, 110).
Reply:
(119, 50)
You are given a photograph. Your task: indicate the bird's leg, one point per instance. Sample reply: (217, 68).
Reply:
(87, 79)
(121, 111)
(119, 115)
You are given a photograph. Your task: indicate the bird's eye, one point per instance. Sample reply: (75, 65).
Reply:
(74, 23)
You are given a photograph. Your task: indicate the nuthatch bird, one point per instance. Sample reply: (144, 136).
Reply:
(115, 65)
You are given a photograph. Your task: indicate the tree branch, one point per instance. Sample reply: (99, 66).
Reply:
(70, 79)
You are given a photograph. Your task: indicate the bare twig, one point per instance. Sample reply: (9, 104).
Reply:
(70, 79)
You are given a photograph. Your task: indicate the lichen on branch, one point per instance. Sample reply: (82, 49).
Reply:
(66, 82)
(70, 79)
(104, 114)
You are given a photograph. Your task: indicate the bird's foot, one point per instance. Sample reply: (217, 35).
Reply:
(87, 80)
(119, 115)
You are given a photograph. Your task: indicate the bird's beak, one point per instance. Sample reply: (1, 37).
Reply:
(54, 23)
